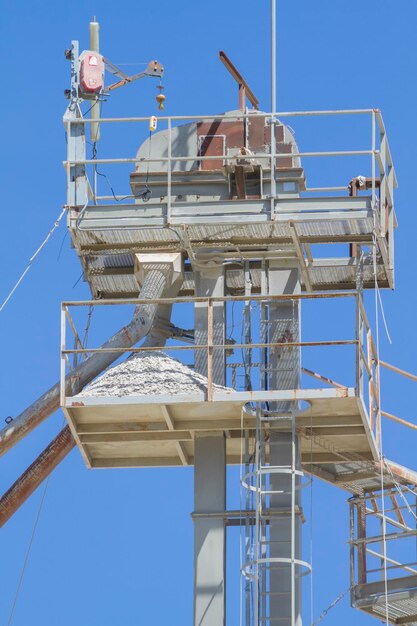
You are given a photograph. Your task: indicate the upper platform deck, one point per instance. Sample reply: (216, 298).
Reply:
(236, 184)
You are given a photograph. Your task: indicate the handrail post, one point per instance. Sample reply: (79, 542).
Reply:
(377, 407)
(169, 170)
(63, 344)
(361, 531)
(359, 337)
(383, 196)
(373, 161)
(352, 547)
(370, 378)
(209, 350)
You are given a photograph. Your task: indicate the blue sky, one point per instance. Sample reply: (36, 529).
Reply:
(115, 547)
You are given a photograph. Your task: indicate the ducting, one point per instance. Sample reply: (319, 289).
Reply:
(159, 278)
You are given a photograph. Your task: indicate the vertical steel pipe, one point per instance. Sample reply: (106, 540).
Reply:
(273, 57)
(273, 105)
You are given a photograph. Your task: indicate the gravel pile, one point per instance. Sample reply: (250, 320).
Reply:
(149, 373)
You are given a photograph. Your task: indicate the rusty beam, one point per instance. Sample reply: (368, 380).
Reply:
(398, 370)
(244, 89)
(398, 512)
(35, 474)
(399, 472)
(361, 533)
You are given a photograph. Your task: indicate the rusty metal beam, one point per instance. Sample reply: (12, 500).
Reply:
(398, 370)
(244, 89)
(394, 418)
(35, 474)
(400, 473)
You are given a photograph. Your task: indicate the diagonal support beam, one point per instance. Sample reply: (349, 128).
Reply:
(244, 90)
(35, 474)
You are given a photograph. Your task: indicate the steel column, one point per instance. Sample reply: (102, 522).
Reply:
(210, 282)
(209, 462)
(284, 451)
(209, 532)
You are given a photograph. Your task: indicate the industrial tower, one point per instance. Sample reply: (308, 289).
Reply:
(221, 232)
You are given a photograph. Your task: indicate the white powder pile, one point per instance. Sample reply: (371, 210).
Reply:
(148, 373)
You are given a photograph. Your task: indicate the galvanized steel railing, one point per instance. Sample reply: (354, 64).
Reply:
(362, 369)
(381, 167)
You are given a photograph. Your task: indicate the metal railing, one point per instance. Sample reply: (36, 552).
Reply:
(368, 367)
(378, 520)
(360, 371)
(382, 173)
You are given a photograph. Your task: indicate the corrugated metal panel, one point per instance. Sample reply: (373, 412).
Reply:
(126, 236)
(102, 281)
(105, 284)
(399, 607)
(337, 275)
(203, 233)
(104, 261)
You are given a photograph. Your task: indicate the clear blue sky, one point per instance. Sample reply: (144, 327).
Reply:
(115, 547)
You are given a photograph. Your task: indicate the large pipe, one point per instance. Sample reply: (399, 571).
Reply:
(35, 474)
(157, 277)
(62, 445)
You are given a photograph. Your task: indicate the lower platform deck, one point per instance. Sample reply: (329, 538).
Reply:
(337, 443)
(400, 603)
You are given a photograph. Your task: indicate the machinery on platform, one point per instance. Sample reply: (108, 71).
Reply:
(221, 227)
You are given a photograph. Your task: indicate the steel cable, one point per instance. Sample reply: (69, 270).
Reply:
(33, 257)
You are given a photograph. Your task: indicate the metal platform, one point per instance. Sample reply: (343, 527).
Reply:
(337, 444)
(383, 551)
(402, 600)
(337, 423)
(111, 275)
(244, 227)
(195, 204)
(141, 431)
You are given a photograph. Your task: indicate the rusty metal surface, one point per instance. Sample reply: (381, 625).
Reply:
(243, 85)
(35, 474)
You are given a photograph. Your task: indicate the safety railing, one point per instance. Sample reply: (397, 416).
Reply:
(83, 176)
(369, 369)
(248, 346)
(383, 535)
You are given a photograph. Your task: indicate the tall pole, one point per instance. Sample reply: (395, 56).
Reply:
(273, 102)
(273, 56)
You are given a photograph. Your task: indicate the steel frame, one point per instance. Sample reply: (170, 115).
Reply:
(273, 208)
(368, 567)
(366, 365)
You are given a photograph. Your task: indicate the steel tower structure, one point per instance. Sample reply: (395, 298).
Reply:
(220, 224)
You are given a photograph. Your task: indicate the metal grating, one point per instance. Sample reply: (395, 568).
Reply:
(400, 607)
(199, 234)
(112, 275)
